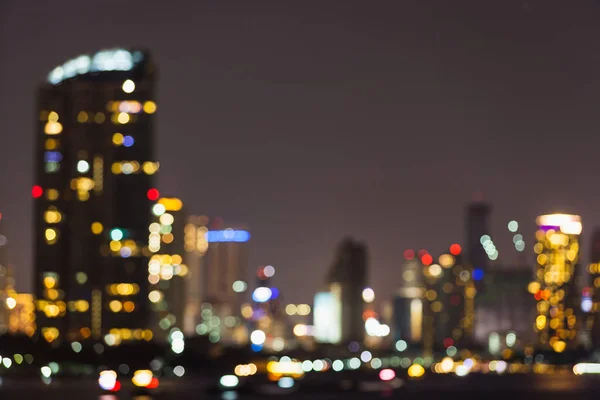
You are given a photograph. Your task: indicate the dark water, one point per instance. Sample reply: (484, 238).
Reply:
(533, 387)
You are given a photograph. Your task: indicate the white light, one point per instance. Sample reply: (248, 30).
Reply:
(382, 330)
(83, 166)
(239, 286)
(269, 271)
(337, 365)
(262, 294)
(128, 86)
(401, 345)
(371, 326)
(307, 366)
(177, 335)
(286, 382)
(46, 371)
(354, 363)
(366, 356)
(167, 219)
(461, 370)
(11, 303)
(7, 362)
(513, 226)
(511, 339)
(229, 381)
(258, 337)
(318, 365)
(586, 304)
(368, 295)
(179, 371)
(158, 210)
(107, 379)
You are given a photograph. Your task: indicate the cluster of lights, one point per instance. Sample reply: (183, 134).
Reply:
(102, 61)
(513, 226)
(374, 328)
(211, 324)
(227, 235)
(489, 247)
(177, 342)
(297, 309)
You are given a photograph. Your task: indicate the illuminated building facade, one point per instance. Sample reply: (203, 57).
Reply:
(217, 259)
(591, 306)
(167, 273)
(93, 190)
(435, 308)
(557, 250)
(22, 315)
(349, 271)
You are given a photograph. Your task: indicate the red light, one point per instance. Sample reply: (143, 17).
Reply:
(387, 374)
(538, 294)
(260, 272)
(426, 259)
(153, 383)
(37, 192)
(455, 249)
(153, 194)
(409, 254)
(422, 252)
(586, 292)
(117, 387)
(448, 342)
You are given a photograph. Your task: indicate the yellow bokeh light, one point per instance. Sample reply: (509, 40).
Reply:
(149, 107)
(53, 116)
(53, 128)
(123, 118)
(82, 117)
(52, 194)
(117, 139)
(49, 282)
(97, 228)
(115, 306)
(51, 235)
(416, 371)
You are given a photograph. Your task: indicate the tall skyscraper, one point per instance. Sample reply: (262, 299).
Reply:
(5, 281)
(592, 308)
(350, 271)
(167, 272)
(217, 258)
(94, 184)
(477, 227)
(557, 250)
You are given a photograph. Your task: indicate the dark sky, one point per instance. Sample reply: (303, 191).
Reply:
(310, 120)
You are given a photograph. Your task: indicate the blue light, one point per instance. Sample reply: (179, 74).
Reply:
(227, 235)
(53, 156)
(257, 347)
(274, 293)
(128, 141)
(477, 274)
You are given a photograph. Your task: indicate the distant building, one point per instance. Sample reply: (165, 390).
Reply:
(506, 307)
(94, 184)
(350, 270)
(557, 250)
(217, 259)
(477, 227)
(591, 306)
(167, 272)
(408, 301)
(6, 281)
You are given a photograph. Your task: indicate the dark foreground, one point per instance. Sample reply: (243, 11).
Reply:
(547, 387)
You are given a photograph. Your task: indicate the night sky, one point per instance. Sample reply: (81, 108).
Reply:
(311, 120)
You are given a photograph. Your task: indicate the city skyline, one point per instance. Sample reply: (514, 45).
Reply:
(266, 151)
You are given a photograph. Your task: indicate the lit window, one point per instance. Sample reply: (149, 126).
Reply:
(115, 306)
(52, 216)
(53, 116)
(117, 139)
(97, 228)
(51, 167)
(128, 86)
(52, 194)
(51, 235)
(52, 144)
(123, 118)
(82, 117)
(83, 166)
(149, 107)
(53, 128)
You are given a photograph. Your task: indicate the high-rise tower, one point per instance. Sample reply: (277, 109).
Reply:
(557, 250)
(94, 183)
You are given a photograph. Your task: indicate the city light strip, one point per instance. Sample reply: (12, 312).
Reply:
(227, 235)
